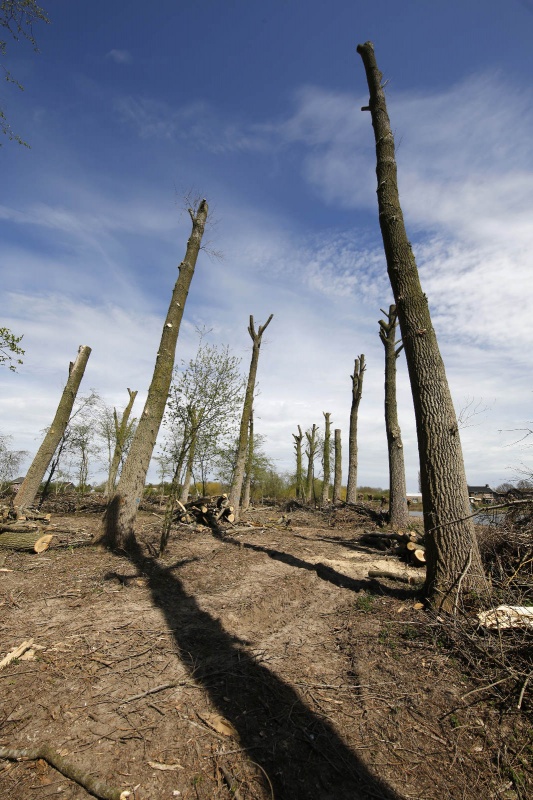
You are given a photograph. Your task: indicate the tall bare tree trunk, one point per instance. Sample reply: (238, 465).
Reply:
(312, 444)
(452, 555)
(242, 449)
(357, 390)
(298, 439)
(246, 492)
(337, 480)
(326, 462)
(121, 512)
(398, 510)
(30, 485)
(121, 434)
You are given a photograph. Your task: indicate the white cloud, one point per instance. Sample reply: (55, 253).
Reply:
(120, 56)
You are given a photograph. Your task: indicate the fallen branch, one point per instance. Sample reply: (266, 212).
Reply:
(92, 785)
(16, 653)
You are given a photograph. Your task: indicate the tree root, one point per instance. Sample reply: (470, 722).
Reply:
(92, 785)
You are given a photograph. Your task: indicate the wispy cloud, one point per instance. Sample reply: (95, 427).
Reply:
(120, 56)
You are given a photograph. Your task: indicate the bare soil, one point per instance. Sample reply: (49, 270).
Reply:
(259, 664)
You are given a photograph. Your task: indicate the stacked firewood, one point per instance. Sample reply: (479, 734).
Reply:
(205, 511)
(408, 545)
(24, 531)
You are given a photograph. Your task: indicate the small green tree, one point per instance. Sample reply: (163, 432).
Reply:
(298, 439)
(10, 462)
(9, 348)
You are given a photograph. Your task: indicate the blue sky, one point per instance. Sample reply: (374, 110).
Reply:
(130, 106)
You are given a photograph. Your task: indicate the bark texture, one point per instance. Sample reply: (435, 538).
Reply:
(242, 448)
(30, 486)
(119, 520)
(398, 510)
(298, 439)
(312, 444)
(326, 461)
(121, 434)
(453, 560)
(337, 480)
(357, 391)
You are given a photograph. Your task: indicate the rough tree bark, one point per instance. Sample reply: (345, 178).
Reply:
(337, 480)
(452, 554)
(398, 510)
(312, 445)
(326, 462)
(298, 439)
(121, 434)
(118, 529)
(357, 390)
(30, 486)
(247, 489)
(242, 448)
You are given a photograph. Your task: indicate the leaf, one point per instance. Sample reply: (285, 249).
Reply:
(163, 767)
(219, 724)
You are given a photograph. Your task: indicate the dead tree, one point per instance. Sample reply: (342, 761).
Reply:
(30, 486)
(337, 481)
(357, 390)
(311, 450)
(242, 448)
(298, 439)
(398, 510)
(119, 521)
(247, 488)
(326, 461)
(452, 554)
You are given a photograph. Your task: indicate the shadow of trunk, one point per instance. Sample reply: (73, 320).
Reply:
(300, 751)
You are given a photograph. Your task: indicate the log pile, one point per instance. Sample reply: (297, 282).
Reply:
(24, 531)
(205, 511)
(408, 545)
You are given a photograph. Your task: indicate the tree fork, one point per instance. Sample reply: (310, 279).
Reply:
(242, 449)
(453, 560)
(398, 510)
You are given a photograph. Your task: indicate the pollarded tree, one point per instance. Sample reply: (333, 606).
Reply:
(452, 554)
(30, 486)
(326, 458)
(298, 439)
(311, 452)
(242, 447)
(357, 391)
(398, 510)
(116, 430)
(118, 530)
(337, 480)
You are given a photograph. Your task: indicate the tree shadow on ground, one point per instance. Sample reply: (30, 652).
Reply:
(324, 571)
(300, 751)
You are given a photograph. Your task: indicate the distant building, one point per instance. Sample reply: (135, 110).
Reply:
(414, 497)
(482, 494)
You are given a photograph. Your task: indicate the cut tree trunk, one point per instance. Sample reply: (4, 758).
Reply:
(26, 540)
(398, 509)
(118, 529)
(357, 390)
(30, 485)
(242, 448)
(453, 560)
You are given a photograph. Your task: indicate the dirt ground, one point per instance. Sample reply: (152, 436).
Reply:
(259, 664)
